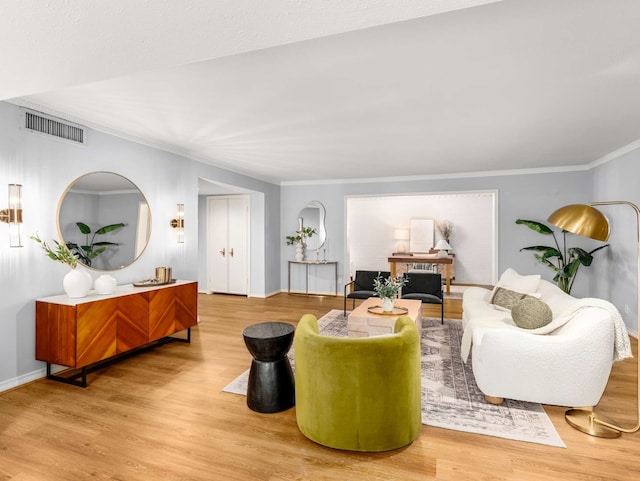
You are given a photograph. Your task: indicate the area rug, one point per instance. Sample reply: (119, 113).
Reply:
(450, 397)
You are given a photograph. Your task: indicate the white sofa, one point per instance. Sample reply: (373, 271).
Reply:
(568, 366)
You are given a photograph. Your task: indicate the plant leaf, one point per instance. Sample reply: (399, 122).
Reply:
(109, 228)
(536, 226)
(581, 256)
(545, 250)
(84, 228)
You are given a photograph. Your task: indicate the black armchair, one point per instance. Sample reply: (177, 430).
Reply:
(425, 287)
(361, 287)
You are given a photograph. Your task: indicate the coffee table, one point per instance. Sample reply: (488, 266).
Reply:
(362, 323)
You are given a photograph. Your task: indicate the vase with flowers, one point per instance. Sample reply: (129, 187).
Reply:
(301, 235)
(76, 282)
(387, 289)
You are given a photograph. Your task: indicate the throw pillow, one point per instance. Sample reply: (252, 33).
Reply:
(531, 313)
(513, 281)
(505, 299)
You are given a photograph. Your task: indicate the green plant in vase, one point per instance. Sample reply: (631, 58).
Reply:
(61, 253)
(299, 239)
(388, 289)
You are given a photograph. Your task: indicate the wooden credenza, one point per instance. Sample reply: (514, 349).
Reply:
(78, 333)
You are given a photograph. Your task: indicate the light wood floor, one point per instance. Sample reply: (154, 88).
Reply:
(161, 415)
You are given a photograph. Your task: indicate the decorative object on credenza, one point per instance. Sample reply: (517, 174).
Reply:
(401, 235)
(13, 215)
(567, 260)
(442, 247)
(105, 284)
(586, 220)
(163, 275)
(92, 249)
(445, 228)
(76, 282)
(301, 235)
(388, 290)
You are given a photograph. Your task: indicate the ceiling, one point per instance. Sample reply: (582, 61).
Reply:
(290, 91)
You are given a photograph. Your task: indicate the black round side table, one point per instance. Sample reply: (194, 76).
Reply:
(271, 386)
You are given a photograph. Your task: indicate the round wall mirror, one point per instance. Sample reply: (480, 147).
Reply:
(104, 220)
(313, 215)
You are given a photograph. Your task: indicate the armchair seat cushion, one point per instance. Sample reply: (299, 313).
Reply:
(426, 298)
(362, 294)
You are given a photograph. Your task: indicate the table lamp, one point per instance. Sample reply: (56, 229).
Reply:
(442, 247)
(401, 235)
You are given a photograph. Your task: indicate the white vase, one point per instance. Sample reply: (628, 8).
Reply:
(299, 252)
(387, 304)
(105, 284)
(77, 282)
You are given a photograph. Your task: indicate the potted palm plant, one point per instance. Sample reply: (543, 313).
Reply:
(564, 261)
(92, 248)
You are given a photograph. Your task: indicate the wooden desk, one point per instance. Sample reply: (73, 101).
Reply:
(424, 259)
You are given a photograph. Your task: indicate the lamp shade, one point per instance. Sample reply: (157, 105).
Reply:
(401, 234)
(442, 245)
(583, 220)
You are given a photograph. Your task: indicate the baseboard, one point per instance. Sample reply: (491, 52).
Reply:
(24, 379)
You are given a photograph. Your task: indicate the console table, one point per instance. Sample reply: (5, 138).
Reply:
(424, 259)
(84, 333)
(306, 268)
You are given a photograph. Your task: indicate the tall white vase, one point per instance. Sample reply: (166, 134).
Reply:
(299, 251)
(77, 282)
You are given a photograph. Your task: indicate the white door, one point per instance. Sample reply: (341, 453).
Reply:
(227, 244)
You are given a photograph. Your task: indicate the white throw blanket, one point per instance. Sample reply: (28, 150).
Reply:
(622, 345)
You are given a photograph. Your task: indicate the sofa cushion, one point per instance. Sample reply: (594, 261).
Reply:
(506, 298)
(531, 313)
(513, 281)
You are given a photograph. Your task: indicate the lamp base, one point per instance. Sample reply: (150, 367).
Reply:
(584, 421)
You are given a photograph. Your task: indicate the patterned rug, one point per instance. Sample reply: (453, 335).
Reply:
(450, 397)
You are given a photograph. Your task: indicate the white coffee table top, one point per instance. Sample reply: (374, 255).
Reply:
(362, 323)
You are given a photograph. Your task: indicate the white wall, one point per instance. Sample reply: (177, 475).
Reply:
(45, 166)
(371, 222)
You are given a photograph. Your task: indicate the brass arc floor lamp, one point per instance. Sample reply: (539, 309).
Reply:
(588, 221)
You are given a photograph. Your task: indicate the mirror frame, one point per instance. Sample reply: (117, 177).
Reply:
(322, 229)
(149, 219)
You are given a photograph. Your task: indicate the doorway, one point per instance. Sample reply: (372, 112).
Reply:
(228, 244)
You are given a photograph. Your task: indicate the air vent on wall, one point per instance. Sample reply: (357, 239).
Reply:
(49, 126)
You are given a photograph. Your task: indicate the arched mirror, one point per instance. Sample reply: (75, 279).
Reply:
(313, 215)
(105, 220)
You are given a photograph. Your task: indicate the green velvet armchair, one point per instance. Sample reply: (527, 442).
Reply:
(359, 394)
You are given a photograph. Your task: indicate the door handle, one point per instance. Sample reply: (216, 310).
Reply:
(223, 252)
(231, 252)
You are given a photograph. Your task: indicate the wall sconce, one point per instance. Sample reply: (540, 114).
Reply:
(178, 223)
(13, 215)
